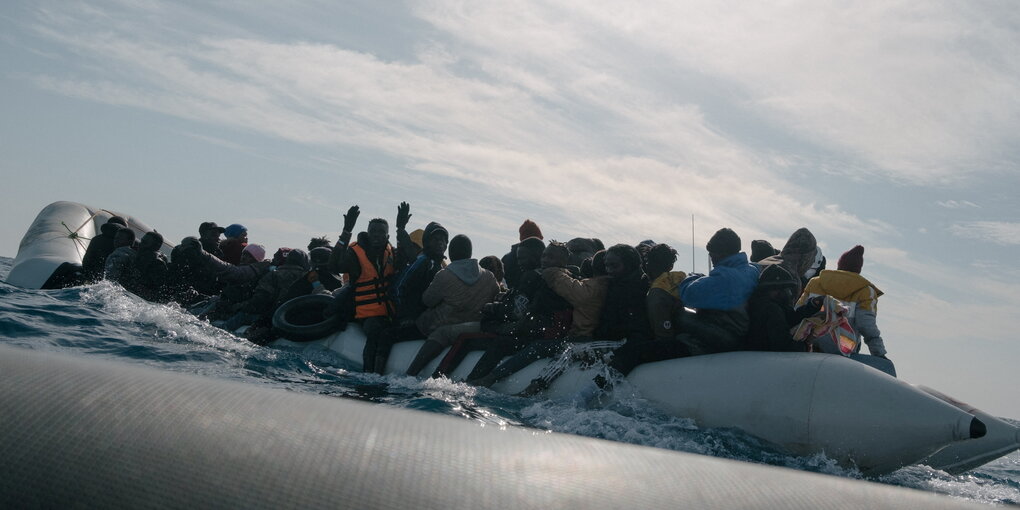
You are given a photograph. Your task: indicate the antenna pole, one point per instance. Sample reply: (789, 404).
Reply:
(692, 243)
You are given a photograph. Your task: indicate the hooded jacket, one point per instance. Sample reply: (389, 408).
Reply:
(415, 279)
(587, 296)
(456, 295)
(799, 255)
(859, 294)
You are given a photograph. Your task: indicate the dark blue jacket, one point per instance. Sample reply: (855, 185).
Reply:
(727, 286)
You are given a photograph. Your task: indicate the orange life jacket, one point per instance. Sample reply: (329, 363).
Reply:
(371, 290)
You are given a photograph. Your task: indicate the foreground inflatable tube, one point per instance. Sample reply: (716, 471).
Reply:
(98, 434)
(804, 403)
(59, 234)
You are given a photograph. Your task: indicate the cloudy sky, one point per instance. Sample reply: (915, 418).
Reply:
(892, 124)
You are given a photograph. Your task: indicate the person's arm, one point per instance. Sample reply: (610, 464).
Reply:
(867, 327)
(406, 253)
(338, 259)
(573, 290)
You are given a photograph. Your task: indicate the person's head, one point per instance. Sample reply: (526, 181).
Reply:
(209, 231)
(852, 260)
(124, 237)
(724, 243)
(110, 228)
(297, 257)
(236, 231)
(378, 233)
(581, 248)
(555, 255)
(318, 242)
(253, 253)
(621, 260)
(598, 263)
(119, 220)
(460, 247)
(151, 241)
(529, 229)
(529, 253)
(761, 249)
(659, 259)
(280, 256)
(434, 241)
(777, 284)
(320, 256)
(494, 265)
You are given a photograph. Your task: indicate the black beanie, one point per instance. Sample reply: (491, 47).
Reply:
(724, 242)
(761, 249)
(460, 247)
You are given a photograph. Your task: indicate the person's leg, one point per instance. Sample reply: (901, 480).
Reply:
(373, 328)
(500, 348)
(459, 350)
(535, 350)
(387, 339)
(439, 339)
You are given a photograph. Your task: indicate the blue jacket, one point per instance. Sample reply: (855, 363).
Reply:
(727, 286)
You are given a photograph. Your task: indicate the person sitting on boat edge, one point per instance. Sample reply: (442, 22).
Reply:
(587, 296)
(590, 296)
(236, 239)
(510, 266)
(527, 312)
(454, 300)
(772, 313)
(721, 322)
(238, 281)
(407, 293)
(259, 308)
(663, 298)
(318, 279)
(847, 285)
(119, 265)
(800, 256)
(209, 235)
(371, 264)
(100, 247)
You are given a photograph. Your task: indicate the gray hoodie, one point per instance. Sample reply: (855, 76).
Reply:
(457, 295)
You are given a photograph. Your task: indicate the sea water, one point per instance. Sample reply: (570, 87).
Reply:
(104, 321)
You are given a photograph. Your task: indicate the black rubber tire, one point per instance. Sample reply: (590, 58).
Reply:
(283, 319)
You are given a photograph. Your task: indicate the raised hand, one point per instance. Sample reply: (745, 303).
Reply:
(351, 218)
(403, 215)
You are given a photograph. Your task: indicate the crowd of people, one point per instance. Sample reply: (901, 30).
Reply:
(624, 305)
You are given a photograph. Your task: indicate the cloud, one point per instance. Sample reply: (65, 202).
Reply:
(958, 204)
(998, 232)
(601, 149)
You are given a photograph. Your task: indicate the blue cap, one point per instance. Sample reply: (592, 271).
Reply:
(234, 230)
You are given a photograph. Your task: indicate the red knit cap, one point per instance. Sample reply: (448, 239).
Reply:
(852, 260)
(530, 229)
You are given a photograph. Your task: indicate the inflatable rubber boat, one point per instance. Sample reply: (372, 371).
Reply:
(803, 403)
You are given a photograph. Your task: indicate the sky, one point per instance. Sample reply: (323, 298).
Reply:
(891, 124)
